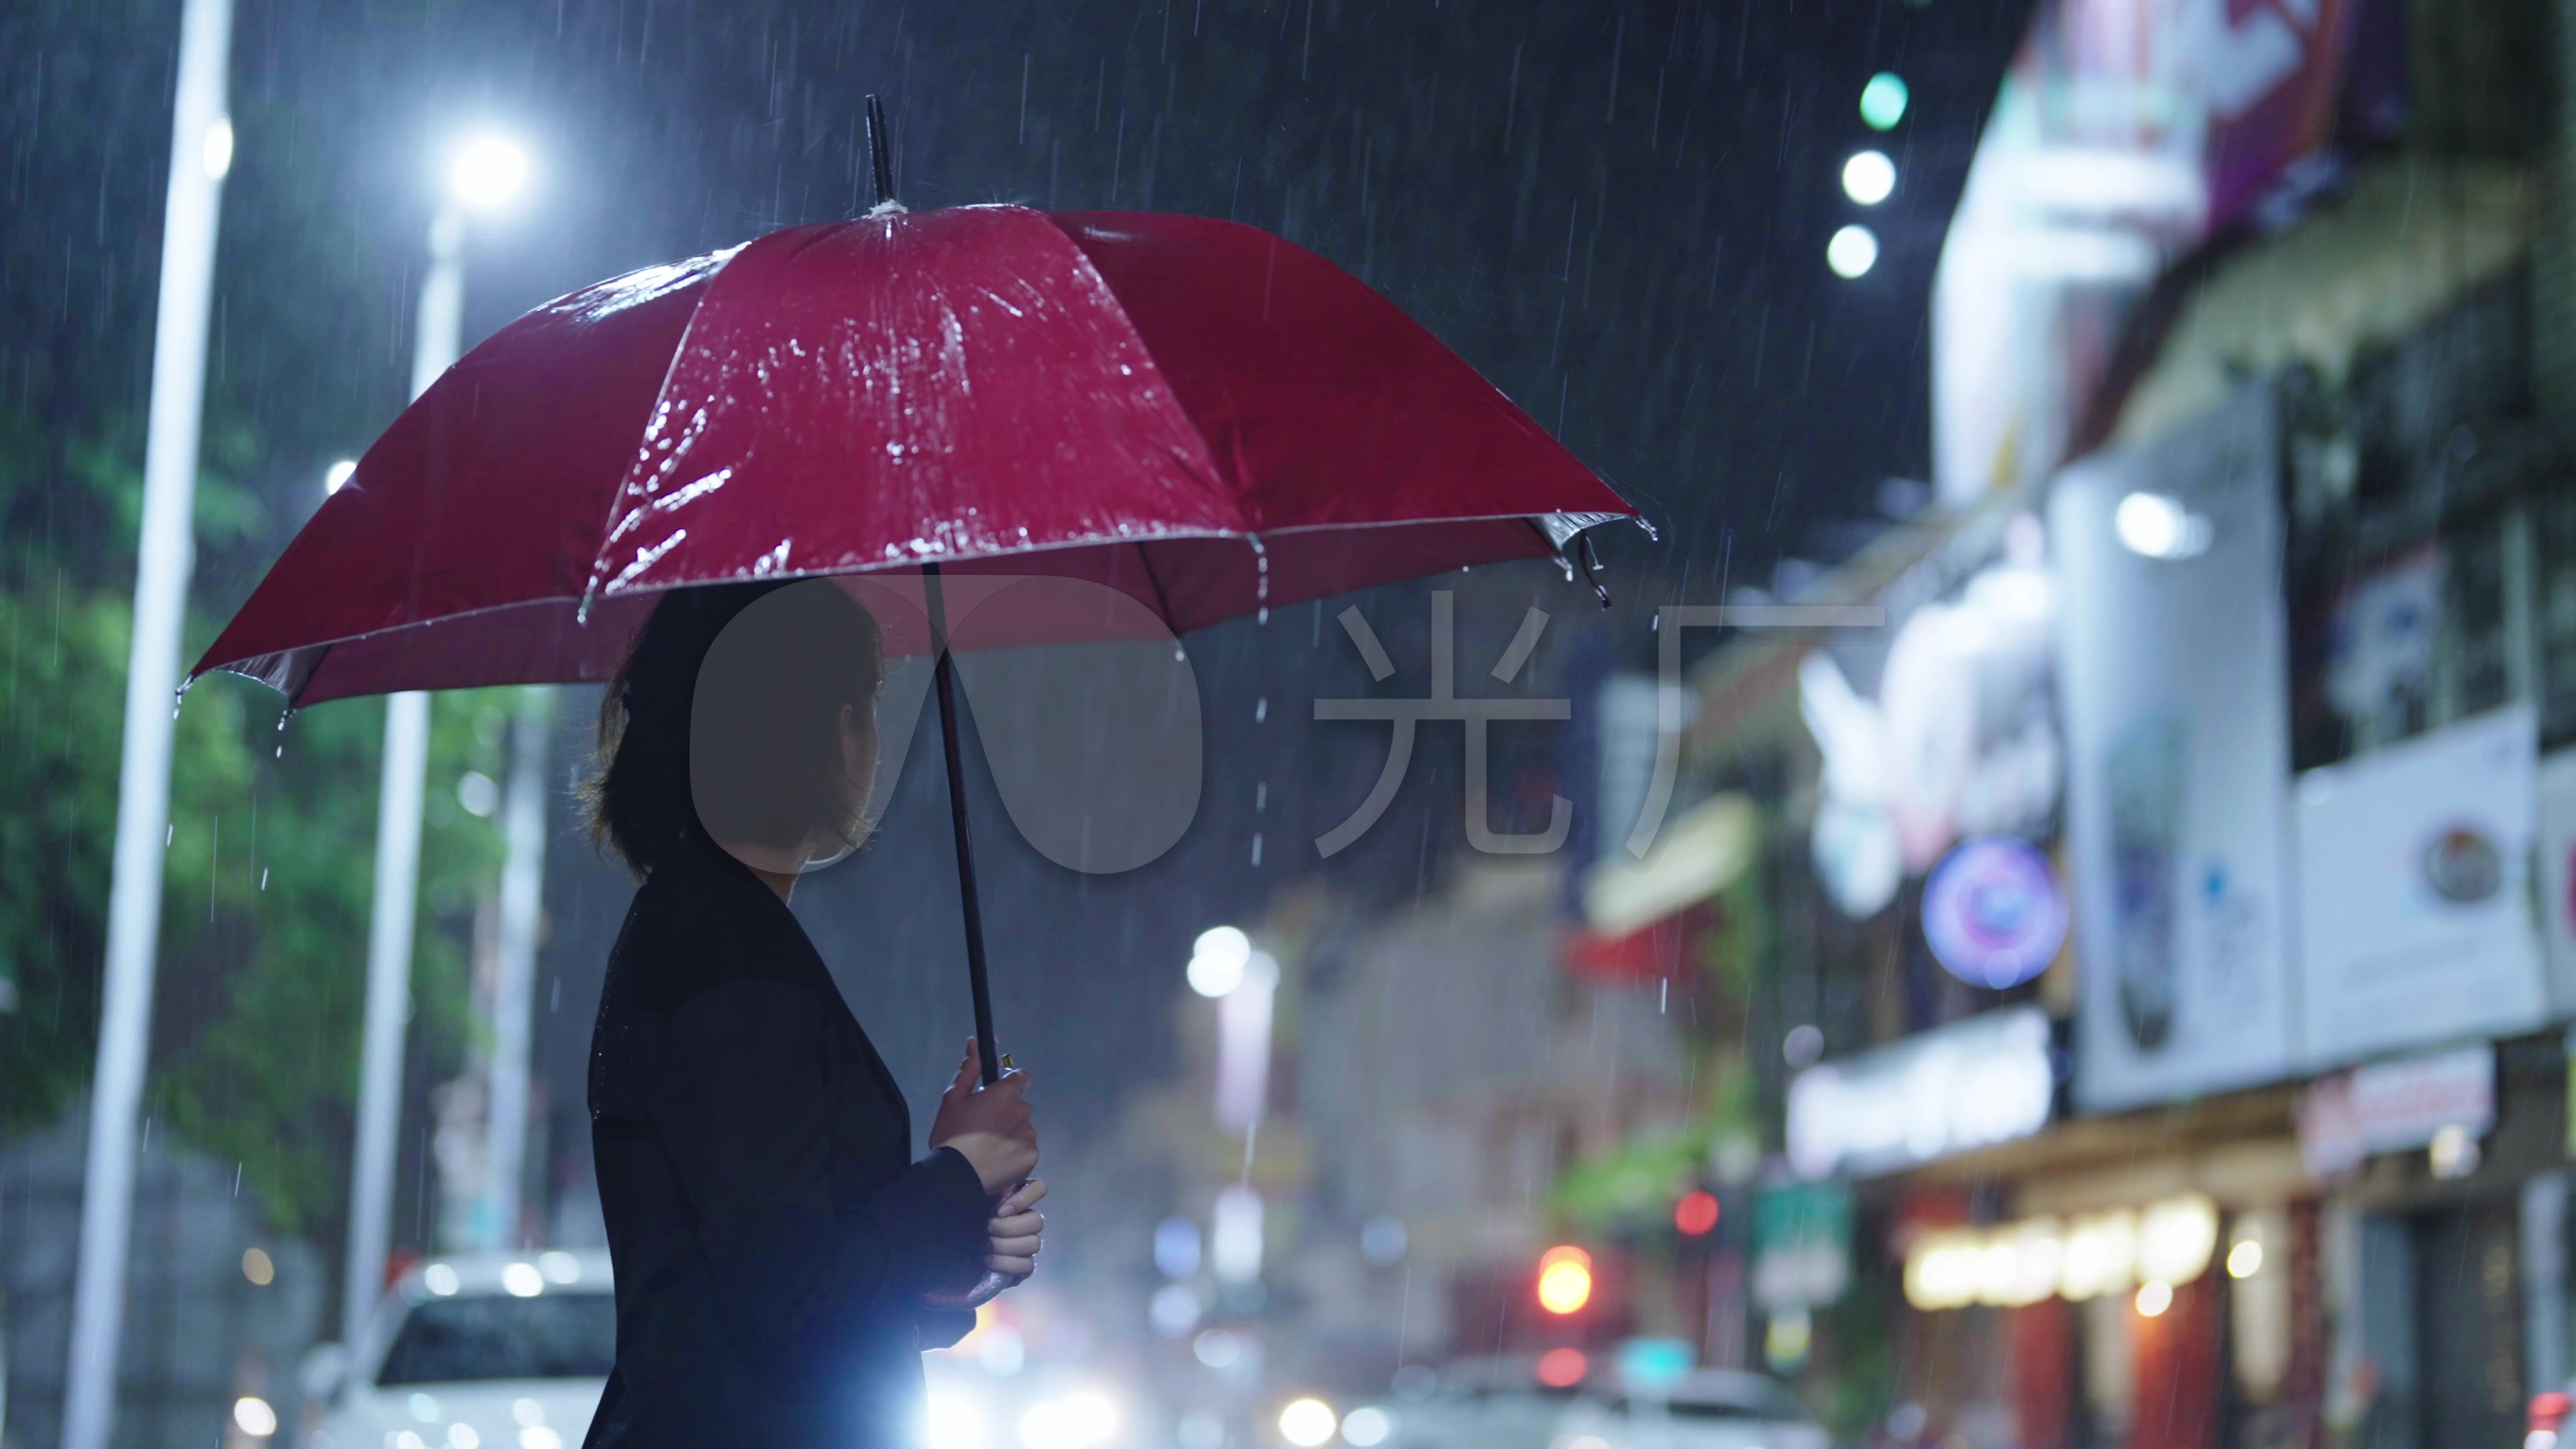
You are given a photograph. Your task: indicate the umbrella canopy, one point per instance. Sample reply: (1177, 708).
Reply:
(1196, 413)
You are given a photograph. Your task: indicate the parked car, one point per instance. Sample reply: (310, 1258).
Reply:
(1702, 1409)
(490, 1351)
(1486, 1403)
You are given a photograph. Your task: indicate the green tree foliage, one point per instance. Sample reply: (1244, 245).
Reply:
(266, 878)
(262, 958)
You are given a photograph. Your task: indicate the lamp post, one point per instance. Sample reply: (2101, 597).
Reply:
(486, 173)
(201, 153)
(1244, 983)
(523, 878)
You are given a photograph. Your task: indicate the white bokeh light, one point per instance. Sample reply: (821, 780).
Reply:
(1174, 1310)
(1218, 959)
(1365, 1428)
(1869, 177)
(1852, 252)
(955, 1421)
(1308, 1422)
(2156, 525)
(217, 151)
(1080, 1420)
(488, 172)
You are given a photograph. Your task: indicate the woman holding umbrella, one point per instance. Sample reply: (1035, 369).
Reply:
(1193, 414)
(774, 1241)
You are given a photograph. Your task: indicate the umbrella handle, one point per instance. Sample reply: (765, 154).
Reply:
(985, 1291)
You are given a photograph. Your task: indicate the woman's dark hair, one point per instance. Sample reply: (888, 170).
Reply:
(724, 720)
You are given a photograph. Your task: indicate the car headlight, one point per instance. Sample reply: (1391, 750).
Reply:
(1084, 1419)
(1367, 1427)
(953, 1421)
(1308, 1423)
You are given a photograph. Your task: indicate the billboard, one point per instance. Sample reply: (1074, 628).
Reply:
(1938, 727)
(2415, 891)
(1952, 1089)
(2127, 133)
(2556, 881)
(2173, 675)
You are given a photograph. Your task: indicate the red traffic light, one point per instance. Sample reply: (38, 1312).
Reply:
(1563, 1368)
(1695, 1216)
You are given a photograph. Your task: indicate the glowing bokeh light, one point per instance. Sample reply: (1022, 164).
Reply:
(1882, 101)
(1852, 252)
(1563, 1368)
(1307, 1423)
(1869, 177)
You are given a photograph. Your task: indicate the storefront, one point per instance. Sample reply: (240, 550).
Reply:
(1880, 1126)
(2145, 1281)
(2449, 1211)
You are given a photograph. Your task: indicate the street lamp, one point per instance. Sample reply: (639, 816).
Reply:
(165, 543)
(1217, 961)
(486, 172)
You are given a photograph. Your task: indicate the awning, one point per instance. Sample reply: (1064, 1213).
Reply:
(1699, 854)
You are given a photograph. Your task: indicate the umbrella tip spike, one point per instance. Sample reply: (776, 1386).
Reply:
(880, 166)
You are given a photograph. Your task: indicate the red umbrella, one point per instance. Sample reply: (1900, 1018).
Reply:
(1197, 414)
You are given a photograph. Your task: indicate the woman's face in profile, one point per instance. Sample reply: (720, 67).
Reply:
(840, 813)
(783, 733)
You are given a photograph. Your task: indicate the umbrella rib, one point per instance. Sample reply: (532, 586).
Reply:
(321, 657)
(1162, 601)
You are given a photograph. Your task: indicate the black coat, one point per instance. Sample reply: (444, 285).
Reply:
(771, 1232)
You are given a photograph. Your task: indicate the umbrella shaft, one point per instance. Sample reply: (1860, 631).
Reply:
(943, 673)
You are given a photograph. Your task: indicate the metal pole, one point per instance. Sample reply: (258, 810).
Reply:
(943, 676)
(523, 879)
(389, 935)
(200, 153)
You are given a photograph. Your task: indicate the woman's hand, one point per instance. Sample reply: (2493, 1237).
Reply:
(1014, 1232)
(990, 1128)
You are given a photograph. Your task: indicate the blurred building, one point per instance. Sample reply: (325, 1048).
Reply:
(2104, 980)
(2162, 1038)
(1432, 1078)
(218, 1306)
